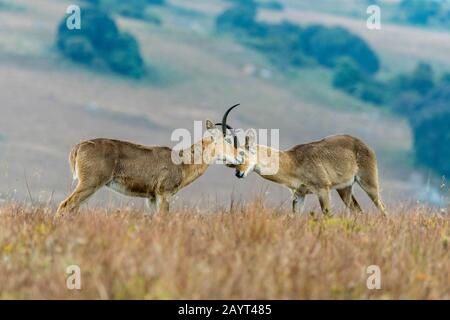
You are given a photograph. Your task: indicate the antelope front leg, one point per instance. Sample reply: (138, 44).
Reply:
(162, 204)
(151, 206)
(325, 201)
(298, 202)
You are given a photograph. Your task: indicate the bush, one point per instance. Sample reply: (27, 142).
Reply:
(78, 49)
(156, 2)
(329, 44)
(287, 44)
(281, 44)
(136, 9)
(125, 57)
(373, 91)
(240, 20)
(432, 142)
(349, 77)
(437, 101)
(420, 11)
(242, 3)
(445, 79)
(421, 80)
(272, 5)
(100, 40)
(429, 117)
(406, 103)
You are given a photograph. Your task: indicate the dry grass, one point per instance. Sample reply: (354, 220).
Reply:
(254, 252)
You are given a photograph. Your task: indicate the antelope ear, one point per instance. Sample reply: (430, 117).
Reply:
(247, 142)
(250, 138)
(209, 125)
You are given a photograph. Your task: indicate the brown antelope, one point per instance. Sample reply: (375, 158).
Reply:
(335, 162)
(142, 171)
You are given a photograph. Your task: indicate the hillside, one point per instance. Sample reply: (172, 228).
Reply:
(49, 104)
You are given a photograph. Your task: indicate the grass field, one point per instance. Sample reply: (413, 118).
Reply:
(252, 252)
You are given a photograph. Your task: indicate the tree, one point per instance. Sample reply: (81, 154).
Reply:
(445, 79)
(329, 44)
(430, 121)
(100, 40)
(421, 80)
(240, 20)
(420, 11)
(282, 44)
(136, 9)
(432, 142)
(347, 75)
(272, 5)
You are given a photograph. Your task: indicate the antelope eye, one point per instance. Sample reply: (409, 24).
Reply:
(241, 153)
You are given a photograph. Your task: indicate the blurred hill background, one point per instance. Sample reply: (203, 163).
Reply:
(139, 69)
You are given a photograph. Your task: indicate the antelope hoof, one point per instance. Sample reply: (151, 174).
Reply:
(58, 215)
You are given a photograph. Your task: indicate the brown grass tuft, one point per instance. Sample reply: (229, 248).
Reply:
(252, 253)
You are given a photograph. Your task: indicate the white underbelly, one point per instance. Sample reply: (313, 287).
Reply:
(343, 185)
(123, 189)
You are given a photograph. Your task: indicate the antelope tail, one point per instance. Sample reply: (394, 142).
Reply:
(72, 161)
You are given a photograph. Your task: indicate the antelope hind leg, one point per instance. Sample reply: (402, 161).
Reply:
(325, 201)
(80, 194)
(349, 200)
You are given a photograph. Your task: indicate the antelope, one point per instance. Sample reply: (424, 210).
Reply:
(142, 171)
(335, 162)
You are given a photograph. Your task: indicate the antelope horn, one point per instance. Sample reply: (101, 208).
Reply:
(224, 120)
(225, 126)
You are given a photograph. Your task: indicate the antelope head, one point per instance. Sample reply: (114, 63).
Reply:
(223, 148)
(248, 154)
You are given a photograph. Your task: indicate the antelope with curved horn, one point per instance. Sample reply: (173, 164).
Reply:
(335, 162)
(142, 171)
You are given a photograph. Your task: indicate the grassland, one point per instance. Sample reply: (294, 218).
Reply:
(251, 252)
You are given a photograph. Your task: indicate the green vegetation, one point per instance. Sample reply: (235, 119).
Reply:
(432, 141)
(420, 81)
(271, 5)
(240, 20)
(136, 9)
(350, 78)
(424, 12)
(285, 50)
(329, 44)
(291, 45)
(101, 43)
(430, 118)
